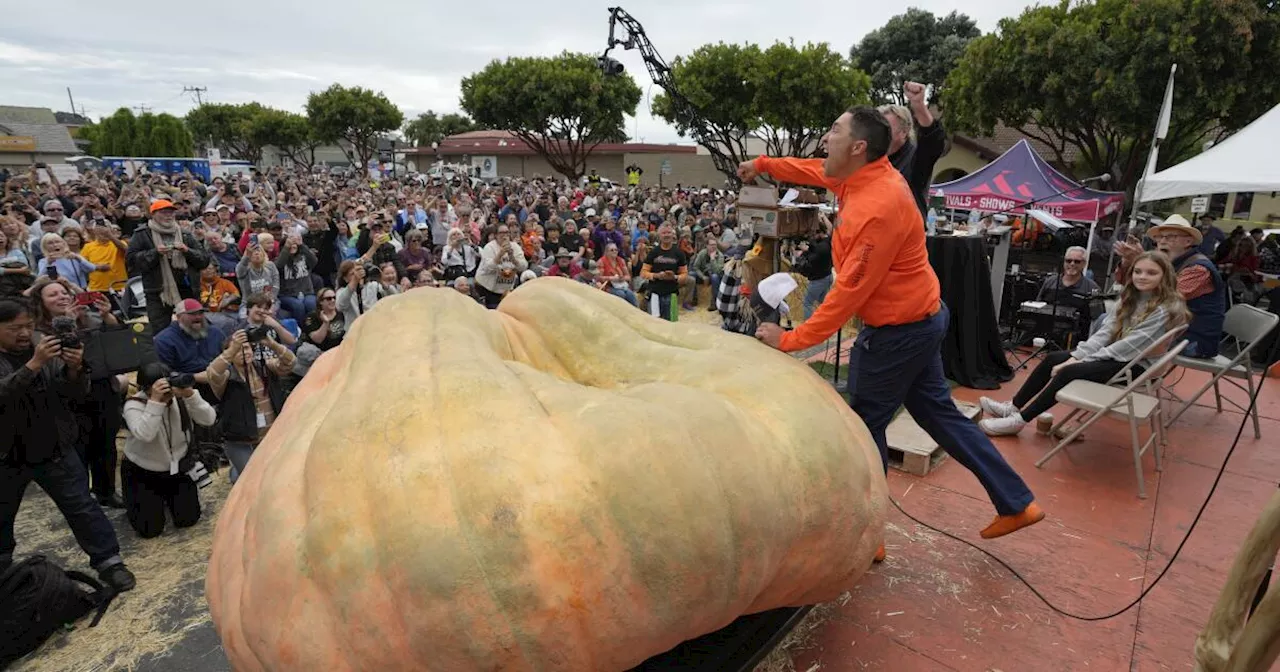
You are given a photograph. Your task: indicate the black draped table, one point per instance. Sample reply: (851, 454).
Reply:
(972, 353)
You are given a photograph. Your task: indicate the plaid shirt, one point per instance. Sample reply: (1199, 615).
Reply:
(729, 304)
(1147, 326)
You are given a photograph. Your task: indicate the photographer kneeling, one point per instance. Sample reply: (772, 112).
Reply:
(156, 472)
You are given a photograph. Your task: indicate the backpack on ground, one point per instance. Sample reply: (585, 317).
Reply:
(38, 598)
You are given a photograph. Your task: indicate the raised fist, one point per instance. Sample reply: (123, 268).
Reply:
(914, 92)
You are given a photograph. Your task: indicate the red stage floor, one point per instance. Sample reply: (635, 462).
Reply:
(936, 604)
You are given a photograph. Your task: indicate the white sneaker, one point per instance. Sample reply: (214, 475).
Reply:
(997, 409)
(1006, 426)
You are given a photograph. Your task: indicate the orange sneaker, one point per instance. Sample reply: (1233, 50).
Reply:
(880, 554)
(1003, 525)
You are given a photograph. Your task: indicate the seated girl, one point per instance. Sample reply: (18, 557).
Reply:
(1149, 306)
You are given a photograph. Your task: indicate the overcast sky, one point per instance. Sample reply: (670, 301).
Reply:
(142, 53)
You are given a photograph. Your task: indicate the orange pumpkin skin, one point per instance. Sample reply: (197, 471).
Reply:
(564, 483)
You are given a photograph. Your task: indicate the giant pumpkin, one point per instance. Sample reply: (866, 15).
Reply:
(564, 483)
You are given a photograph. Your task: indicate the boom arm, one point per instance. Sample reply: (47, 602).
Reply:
(633, 37)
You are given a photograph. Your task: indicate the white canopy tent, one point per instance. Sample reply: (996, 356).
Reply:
(1241, 163)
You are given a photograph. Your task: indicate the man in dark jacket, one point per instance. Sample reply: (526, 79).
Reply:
(169, 261)
(915, 159)
(38, 434)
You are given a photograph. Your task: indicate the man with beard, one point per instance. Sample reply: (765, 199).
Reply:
(1199, 281)
(189, 343)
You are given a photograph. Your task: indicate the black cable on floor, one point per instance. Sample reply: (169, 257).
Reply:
(1253, 402)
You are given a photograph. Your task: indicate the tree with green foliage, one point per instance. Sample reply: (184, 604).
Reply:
(430, 128)
(355, 118)
(915, 46)
(123, 134)
(800, 91)
(229, 127)
(719, 81)
(563, 107)
(785, 95)
(1092, 77)
(290, 133)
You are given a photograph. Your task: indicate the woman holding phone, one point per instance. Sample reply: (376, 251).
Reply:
(66, 264)
(255, 273)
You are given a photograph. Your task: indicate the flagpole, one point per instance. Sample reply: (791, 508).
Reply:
(1162, 131)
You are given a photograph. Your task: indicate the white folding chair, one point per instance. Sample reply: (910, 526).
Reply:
(1244, 327)
(1128, 403)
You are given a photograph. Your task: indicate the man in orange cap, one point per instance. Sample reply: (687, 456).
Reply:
(883, 275)
(169, 261)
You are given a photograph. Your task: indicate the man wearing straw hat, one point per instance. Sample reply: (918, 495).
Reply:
(1199, 282)
(883, 275)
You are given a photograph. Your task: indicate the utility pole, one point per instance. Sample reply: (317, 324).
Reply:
(142, 109)
(196, 90)
(72, 100)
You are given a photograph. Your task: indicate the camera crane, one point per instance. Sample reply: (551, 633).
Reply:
(660, 73)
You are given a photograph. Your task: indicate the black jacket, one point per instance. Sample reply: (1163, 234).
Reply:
(17, 383)
(916, 160)
(142, 259)
(237, 413)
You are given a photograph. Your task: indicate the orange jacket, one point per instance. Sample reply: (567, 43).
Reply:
(878, 249)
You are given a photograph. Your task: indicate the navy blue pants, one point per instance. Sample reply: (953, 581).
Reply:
(901, 365)
(67, 484)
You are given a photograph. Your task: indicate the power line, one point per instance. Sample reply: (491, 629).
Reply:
(198, 90)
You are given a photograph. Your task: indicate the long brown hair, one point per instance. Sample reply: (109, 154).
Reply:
(1164, 295)
(39, 313)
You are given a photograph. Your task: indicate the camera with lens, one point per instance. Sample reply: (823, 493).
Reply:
(372, 271)
(196, 471)
(182, 381)
(68, 334)
(257, 333)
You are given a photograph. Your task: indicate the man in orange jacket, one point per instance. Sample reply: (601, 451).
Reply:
(883, 275)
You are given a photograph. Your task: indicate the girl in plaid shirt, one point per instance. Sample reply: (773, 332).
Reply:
(1149, 306)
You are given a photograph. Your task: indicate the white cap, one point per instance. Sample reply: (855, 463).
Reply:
(591, 212)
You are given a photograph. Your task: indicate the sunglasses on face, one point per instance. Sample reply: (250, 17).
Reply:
(1074, 261)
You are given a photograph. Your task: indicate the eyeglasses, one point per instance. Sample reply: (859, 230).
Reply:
(1074, 261)
(328, 298)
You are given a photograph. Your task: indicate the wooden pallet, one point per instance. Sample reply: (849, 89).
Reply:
(911, 449)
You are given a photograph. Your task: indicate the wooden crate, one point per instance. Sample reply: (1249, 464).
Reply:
(911, 449)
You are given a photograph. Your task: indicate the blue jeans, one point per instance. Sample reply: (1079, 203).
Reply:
(902, 365)
(238, 454)
(624, 293)
(298, 308)
(67, 484)
(712, 279)
(815, 293)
